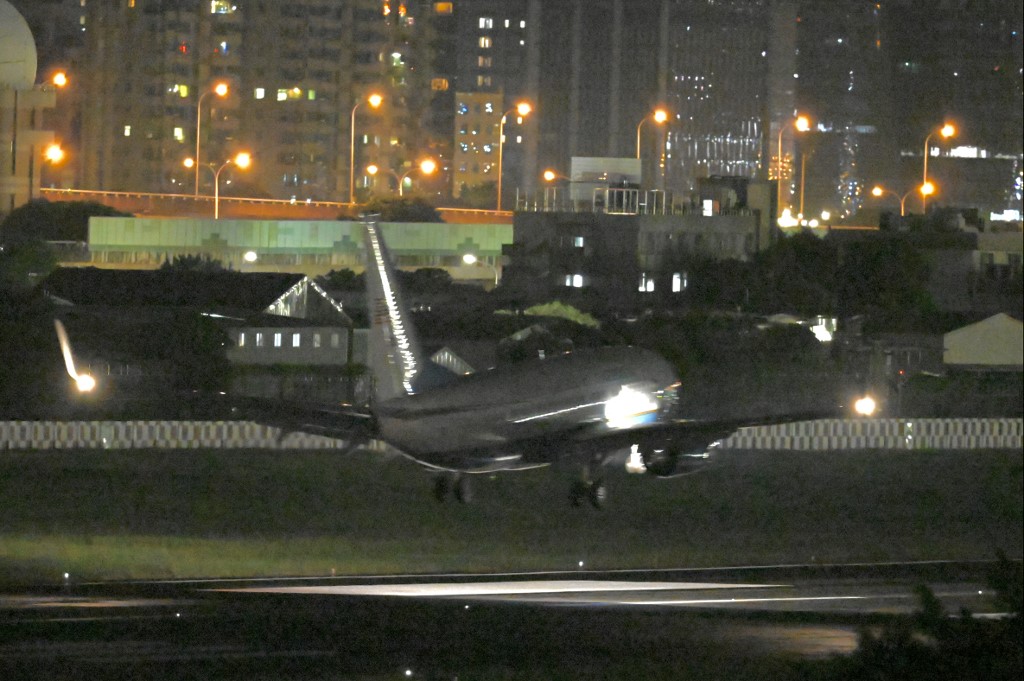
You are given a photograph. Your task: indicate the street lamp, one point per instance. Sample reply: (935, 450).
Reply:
(926, 189)
(946, 131)
(550, 176)
(221, 90)
(471, 259)
(242, 160)
(426, 166)
(802, 124)
(658, 115)
(52, 154)
(523, 109)
(374, 100)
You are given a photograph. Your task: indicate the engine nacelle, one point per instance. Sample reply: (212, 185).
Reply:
(669, 462)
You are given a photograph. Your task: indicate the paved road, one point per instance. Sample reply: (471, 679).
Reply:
(670, 624)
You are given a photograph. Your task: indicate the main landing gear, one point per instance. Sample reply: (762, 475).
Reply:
(457, 484)
(590, 488)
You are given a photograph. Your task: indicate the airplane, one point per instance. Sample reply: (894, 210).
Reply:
(594, 405)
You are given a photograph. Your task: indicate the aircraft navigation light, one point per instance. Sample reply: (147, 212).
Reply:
(865, 406)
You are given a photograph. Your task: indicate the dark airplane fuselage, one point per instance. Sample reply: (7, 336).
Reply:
(480, 421)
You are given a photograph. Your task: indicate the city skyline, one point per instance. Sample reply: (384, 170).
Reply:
(732, 74)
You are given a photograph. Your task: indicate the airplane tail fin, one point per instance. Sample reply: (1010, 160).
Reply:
(394, 353)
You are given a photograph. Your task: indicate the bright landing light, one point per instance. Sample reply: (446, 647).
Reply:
(628, 407)
(865, 406)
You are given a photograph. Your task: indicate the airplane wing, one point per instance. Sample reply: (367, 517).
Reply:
(340, 421)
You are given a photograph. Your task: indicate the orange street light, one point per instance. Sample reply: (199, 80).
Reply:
(523, 109)
(242, 160)
(221, 90)
(926, 189)
(374, 100)
(54, 154)
(801, 124)
(427, 166)
(659, 116)
(946, 131)
(60, 79)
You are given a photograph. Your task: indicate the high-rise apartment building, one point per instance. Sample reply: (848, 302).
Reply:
(595, 70)
(297, 74)
(845, 90)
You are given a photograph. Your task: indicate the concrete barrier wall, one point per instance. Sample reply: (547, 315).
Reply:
(32, 435)
(823, 435)
(828, 434)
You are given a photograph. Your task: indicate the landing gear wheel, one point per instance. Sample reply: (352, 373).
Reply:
(463, 489)
(442, 485)
(578, 492)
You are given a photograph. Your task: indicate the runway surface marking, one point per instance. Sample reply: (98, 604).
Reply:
(494, 588)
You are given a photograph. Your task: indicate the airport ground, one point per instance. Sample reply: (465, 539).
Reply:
(209, 513)
(864, 527)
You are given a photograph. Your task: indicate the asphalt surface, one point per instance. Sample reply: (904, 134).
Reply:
(706, 624)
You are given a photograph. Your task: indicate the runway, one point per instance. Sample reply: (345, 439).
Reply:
(525, 625)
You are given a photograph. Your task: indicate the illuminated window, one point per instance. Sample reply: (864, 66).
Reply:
(259, 339)
(483, 81)
(181, 47)
(282, 94)
(486, 22)
(179, 134)
(444, 8)
(646, 284)
(277, 340)
(574, 280)
(311, 95)
(679, 282)
(484, 62)
(577, 242)
(484, 42)
(439, 84)
(221, 7)
(259, 93)
(335, 340)
(241, 339)
(296, 340)
(127, 131)
(316, 340)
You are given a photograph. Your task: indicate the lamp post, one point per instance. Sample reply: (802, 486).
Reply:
(550, 176)
(523, 109)
(242, 160)
(471, 259)
(426, 166)
(946, 131)
(659, 116)
(926, 189)
(52, 154)
(374, 101)
(802, 124)
(221, 90)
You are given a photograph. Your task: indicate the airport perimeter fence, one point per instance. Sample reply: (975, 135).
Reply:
(822, 435)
